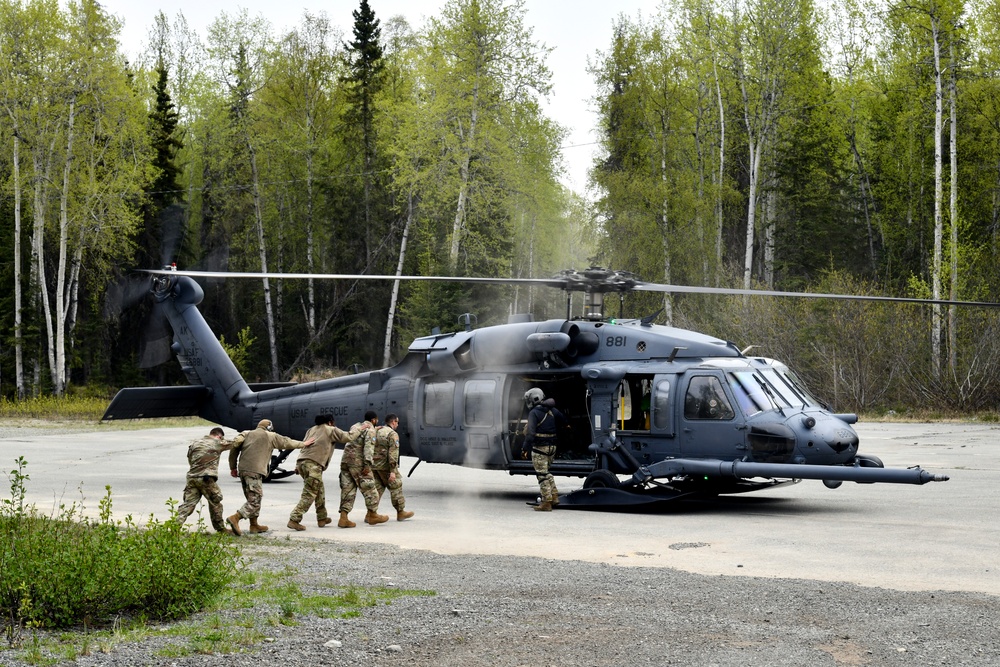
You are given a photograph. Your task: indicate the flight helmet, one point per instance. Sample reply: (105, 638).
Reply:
(533, 397)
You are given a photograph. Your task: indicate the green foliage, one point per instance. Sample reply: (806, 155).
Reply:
(240, 352)
(64, 570)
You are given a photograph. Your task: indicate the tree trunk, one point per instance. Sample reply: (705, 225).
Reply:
(18, 332)
(938, 197)
(310, 260)
(754, 147)
(722, 175)
(395, 283)
(953, 217)
(262, 249)
(58, 357)
(459, 226)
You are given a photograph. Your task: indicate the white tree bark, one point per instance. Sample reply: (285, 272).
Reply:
(18, 332)
(938, 200)
(57, 354)
(395, 283)
(953, 218)
(272, 337)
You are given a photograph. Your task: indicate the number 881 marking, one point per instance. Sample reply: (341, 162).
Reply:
(616, 341)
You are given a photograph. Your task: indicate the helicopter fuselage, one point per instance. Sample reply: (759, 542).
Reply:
(665, 405)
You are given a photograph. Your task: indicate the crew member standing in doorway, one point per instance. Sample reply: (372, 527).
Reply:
(544, 422)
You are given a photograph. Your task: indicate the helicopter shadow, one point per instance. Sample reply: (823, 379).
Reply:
(692, 504)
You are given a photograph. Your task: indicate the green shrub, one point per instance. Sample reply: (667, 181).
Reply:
(66, 570)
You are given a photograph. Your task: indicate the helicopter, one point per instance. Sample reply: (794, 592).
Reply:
(655, 413)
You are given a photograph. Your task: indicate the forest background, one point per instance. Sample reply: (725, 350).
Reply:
(851, 147)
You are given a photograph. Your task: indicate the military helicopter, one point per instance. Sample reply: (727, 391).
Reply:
(655, 413)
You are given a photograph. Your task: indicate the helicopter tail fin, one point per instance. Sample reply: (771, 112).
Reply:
(217, 393)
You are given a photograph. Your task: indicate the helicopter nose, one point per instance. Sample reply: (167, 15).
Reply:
(843, 439)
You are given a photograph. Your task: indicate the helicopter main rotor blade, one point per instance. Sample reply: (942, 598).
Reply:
(593, 280)
(549, 282)
(690, 289)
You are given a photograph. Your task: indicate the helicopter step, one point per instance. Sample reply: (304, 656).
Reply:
(619, 498)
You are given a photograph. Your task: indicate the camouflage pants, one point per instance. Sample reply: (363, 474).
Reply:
(253, 490)
(541, 458)
(194, 490)
(395, 488)
(352, 479)
(313, 491)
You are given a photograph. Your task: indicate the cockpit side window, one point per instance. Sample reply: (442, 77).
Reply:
(706, 399)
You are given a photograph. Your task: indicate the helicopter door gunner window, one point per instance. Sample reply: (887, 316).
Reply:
(439, 403)
(706, 399)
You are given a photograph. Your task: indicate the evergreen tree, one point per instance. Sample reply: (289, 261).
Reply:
(163, 223)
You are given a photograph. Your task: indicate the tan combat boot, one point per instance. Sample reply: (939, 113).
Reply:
(403, 515)
(257, 527)
(234, 523)
(324, 522)
(373, 518)
(545, 506)
(295, 525)
(555, 499)
(345, 522)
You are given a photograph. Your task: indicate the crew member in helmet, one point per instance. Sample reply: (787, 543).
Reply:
(544, 422)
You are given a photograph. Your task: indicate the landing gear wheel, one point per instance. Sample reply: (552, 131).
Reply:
(869, 462)
(601, 479)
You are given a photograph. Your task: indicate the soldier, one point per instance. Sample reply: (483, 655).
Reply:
(356, 473)
(312, 461)
(544, 420)
(202, 478)
(385, 466)
(253, 451)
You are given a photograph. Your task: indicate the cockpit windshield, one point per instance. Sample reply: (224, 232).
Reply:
(750, 392)
(789, 387)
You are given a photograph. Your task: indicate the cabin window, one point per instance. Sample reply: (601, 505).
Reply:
(661, 405)
(479, 402)
(706, 399)
(439, 403)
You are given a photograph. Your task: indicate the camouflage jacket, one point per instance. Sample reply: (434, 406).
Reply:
(203, 456)
(253, 450)
(359, 451)
(322, 450)
(386, 455)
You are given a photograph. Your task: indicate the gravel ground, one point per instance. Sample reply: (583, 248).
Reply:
(491, 610)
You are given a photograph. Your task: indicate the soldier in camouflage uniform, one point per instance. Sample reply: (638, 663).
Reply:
(312, 462)
(544, 421)
(252, 449)
(356, 473)
(202, 478)
(385, 466)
